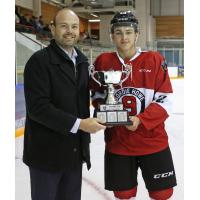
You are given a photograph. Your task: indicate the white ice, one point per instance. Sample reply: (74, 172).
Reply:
(93, 180)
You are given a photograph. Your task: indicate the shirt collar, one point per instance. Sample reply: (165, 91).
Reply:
(138, 52)
(73, 55)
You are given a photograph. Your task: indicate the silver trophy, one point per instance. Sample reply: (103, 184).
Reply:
(112, 112)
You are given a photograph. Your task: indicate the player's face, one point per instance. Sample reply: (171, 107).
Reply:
(66, 29)
(124, 38)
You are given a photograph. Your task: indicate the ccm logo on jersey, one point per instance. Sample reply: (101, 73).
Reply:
(145, 70)
(163, 175)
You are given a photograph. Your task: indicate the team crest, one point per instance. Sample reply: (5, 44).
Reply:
(132, 99)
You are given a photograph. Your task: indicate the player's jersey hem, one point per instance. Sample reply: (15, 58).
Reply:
(115, 150)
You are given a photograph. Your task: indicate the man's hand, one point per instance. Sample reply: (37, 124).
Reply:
(91, 125)
(136, 121)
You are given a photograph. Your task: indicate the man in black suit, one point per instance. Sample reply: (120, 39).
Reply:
(56, 140)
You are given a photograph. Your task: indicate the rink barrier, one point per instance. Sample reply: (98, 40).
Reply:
(19, 127)
(181, 77)
(19, 131)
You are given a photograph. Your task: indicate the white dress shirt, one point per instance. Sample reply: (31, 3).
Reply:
(73, 58)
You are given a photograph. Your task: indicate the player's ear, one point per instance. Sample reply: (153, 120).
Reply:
(111, 37)
(53, 29)
(136, 36)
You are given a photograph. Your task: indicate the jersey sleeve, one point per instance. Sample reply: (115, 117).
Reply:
(160, 107)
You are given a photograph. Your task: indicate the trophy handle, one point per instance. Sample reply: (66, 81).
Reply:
(92, 73)
(127, 72)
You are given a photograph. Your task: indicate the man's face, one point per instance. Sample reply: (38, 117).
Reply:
(66, 29)
(124, 38)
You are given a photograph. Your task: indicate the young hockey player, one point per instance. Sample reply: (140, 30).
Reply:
(146, 95)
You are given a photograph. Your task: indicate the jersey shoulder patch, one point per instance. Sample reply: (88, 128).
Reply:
(164, 65)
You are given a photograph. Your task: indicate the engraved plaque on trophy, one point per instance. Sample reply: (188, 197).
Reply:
(112, 112)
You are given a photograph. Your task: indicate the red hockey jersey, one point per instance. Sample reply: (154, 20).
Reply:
(145, 94)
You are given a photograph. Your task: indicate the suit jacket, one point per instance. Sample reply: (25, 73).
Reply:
(55, 96)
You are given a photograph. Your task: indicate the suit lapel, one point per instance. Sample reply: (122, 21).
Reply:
(59, 57)
(68, 71)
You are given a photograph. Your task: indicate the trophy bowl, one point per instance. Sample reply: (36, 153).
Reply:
(111, 113)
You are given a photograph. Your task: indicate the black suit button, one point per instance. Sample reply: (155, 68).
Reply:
(75, 149)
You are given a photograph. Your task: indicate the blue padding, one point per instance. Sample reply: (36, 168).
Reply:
(19, 86)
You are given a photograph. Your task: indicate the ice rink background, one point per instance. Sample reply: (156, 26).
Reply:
(93, 180)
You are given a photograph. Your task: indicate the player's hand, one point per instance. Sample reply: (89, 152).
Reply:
(136, 121)
(91, 125)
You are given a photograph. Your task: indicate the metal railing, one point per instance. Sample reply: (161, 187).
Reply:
(173, 56)
(25, 46)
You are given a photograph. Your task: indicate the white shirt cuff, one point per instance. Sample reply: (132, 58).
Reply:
(76, 126)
